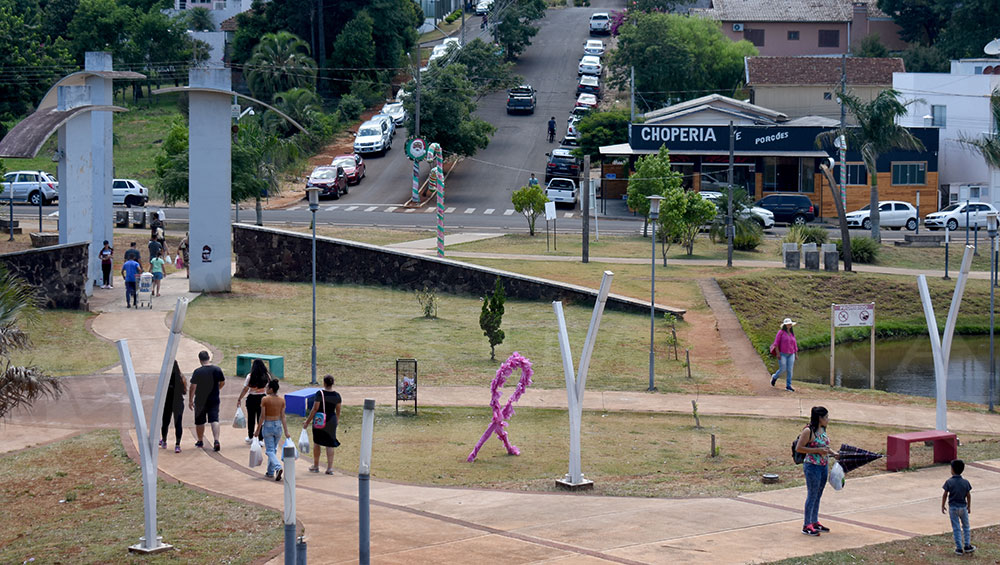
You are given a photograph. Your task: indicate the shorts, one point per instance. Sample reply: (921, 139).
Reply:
(210, 412)
(158, 276)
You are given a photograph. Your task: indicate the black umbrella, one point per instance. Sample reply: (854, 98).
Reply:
(853, 457)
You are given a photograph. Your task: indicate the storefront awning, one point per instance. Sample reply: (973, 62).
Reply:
(624, 150)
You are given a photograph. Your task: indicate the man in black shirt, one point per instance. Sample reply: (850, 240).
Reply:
(133, 253)
(203, 398)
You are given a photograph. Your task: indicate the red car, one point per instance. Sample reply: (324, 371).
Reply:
(353, 165)
(332, 181)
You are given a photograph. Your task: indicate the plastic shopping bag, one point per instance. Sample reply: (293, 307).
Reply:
(304, 442)
(167, 260)
(239, 420)
(836, 477)
(256, 456)
(290, 443)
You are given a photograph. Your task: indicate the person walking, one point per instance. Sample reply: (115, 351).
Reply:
(154, 248)
(173, 406)
(183, 248)
(206, 383)
(133, 253)
(533, 180)
(271, 425)
(107, 260)
(327, 405)
(785, 347)
(815, 444)
(254, 389)
(958, 494)
(130, 272)
(156, 267)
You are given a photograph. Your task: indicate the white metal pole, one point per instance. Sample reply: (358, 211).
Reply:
(166, 373)
(588, 345)
(364, 482)
(575, 473)
(940, 375)
(956, 301)
(288, 459)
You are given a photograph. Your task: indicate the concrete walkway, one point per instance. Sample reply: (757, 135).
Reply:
(430, 243)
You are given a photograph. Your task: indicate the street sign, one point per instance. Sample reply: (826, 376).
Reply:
(550, 211)
(853, 315)
(235, 109)
(415, 149)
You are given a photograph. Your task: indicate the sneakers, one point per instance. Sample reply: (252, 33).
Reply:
(810, 531)
(789, 389)
(959, 551)
(216, 447)
(774, 380)
(969, 549)
(820, 527)
(247, 440)
(163, 444)
(127, 305)
(277, 475)
(314, 469)
(199, 444)
(177, 448)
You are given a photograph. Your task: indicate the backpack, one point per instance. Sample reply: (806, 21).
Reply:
(797, 457)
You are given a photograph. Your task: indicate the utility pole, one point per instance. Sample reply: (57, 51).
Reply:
(464, 6)
(631, 95)
(843, 139)
(416, 100)
(585, 191)
(321, 32)
(729, 209)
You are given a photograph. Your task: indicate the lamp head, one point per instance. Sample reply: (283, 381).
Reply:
(654, 206)
(991, 223)
(313, 192)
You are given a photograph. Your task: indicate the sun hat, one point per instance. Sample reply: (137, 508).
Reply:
(788, 322)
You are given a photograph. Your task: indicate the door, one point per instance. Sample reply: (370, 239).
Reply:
(904, 212)
(26, 182)
(8, 182)
(981, 211)
(118, 191)
(886, 216)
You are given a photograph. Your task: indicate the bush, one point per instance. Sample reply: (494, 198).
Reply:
(450, 18)
(808, 234)
(350, 108)
(863, 249)
(748, 236)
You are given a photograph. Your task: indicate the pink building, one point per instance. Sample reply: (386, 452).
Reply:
(803, 27)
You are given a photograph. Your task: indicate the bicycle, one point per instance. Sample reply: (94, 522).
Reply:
(552, 135)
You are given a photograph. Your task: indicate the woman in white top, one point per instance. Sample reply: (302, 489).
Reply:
(254, 389)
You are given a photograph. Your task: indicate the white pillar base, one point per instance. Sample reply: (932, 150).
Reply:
(142, 550)
(568, 484)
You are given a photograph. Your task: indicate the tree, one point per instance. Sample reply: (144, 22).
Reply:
(279, 62)
(100, 25)
(676, 58)
(658, 5)
(30, 63)
(355, 49)
(172, 165)
(972, 25)
(919, 21)
(19, 386)
(871, 46)
(529, 201)
(485, 68)
(492, 316)
(876, 133)
(446, 108)
(199, 19)
(671, 216)
(56, 15)
(597, 129)
(697, 213)
(514, 29)
(923, 59)
(258, 156)
(652, 177)
(301, 104)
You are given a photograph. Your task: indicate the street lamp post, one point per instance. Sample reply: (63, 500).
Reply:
(654, 214)
(313, 192)
(991, 229)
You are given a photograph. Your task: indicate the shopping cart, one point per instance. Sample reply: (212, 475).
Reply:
(145, 295)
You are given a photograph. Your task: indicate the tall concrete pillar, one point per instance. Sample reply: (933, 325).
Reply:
(210, 180)
(76, 204)
(102, 171)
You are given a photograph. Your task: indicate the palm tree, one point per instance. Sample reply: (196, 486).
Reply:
(199, 19)
(258, 157)
(988, 145)
(876, 133)
(301, 104)
(19, 386)
(278, 63)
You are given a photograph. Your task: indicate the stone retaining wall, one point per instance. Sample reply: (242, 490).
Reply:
(280, 255)
(58, 272)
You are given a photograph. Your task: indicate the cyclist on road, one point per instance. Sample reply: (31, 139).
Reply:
(552, 128)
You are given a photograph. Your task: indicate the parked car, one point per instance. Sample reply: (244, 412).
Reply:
(372, 137)
(35, 187)
(396, 111)
(562, 191)
(562, 163)
(763, 216)
(571, 124)
(589, 84)
(332, 181)
(593, 47)
(483, 7)
(600, 23)
(570, 140)
(789, 208)
(954, 216)
(891, 214)
(589, 65)
(129, 192)
(353, 165)
(586, 101)
(388, 120)
(578, 112)
(521, 99)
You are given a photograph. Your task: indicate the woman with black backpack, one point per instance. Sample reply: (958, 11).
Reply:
(815, 445)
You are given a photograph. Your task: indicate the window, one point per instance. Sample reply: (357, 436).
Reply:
(857, 174)
(755, 36)
(793, 36)
(789, 174)
(827, 96)
(939, 113)
(973, 193)
(909, 173)
(900, 207)
(829, 38)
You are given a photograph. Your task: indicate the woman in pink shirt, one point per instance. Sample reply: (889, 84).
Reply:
(785, 348)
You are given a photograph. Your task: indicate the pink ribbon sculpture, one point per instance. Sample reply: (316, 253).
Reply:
(500, 416)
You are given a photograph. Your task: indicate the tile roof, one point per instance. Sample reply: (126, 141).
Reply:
(786, 10)
(229, 24)
(821, 70)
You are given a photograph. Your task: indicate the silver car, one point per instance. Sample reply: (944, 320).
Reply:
(395, 109)
(35, 187)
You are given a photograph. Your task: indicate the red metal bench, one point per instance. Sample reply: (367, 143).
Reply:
(898, 448)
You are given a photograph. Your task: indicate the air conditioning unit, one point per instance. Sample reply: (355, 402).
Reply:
(737, 27)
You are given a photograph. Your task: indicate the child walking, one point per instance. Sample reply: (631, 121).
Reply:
(156, 267)
(958, 494)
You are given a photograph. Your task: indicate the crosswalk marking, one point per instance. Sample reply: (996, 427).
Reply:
(488, 211)
(568, 215)
(469, 210)
(431, 209)
(449, 210)
(370, 208)
(410, 210)
(294, 208)
(390, 208)
(332, 208)
(350, 208)
(508, 212)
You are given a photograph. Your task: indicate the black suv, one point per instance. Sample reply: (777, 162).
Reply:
(562, 163)
(789, 208)
(521, 99)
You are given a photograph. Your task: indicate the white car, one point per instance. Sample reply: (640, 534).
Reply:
(483, 7)
(589, 65)
(600, 23)
(763, 216)
(389, 121)
(129, 192)
(561, 191)
(891, 214)
(395, 111)
(571, 124)
(953, 216)
(372, 137)
(593, 47)
(34, 187)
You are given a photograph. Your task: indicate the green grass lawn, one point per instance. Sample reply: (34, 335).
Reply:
(79, 500)
(625, 453)
(923, 550)
(62, 344)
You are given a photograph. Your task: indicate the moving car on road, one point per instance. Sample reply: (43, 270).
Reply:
(562, 163)
(954, 216)
(332, 181)
(129, 192)
(562, 191)
(600, 23)
(521, 99)
(891, 214)
(353, 165)
(789, 208)
(34, 187)
(373, 137)
(763, 216)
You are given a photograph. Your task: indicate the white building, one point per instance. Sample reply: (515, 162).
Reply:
(959, 103)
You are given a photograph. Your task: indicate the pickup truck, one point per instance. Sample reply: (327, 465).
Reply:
(521, 100)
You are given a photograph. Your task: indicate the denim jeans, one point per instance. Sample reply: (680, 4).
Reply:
(960, 514)
(786, 362)
(272, 432)
(815, 483)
